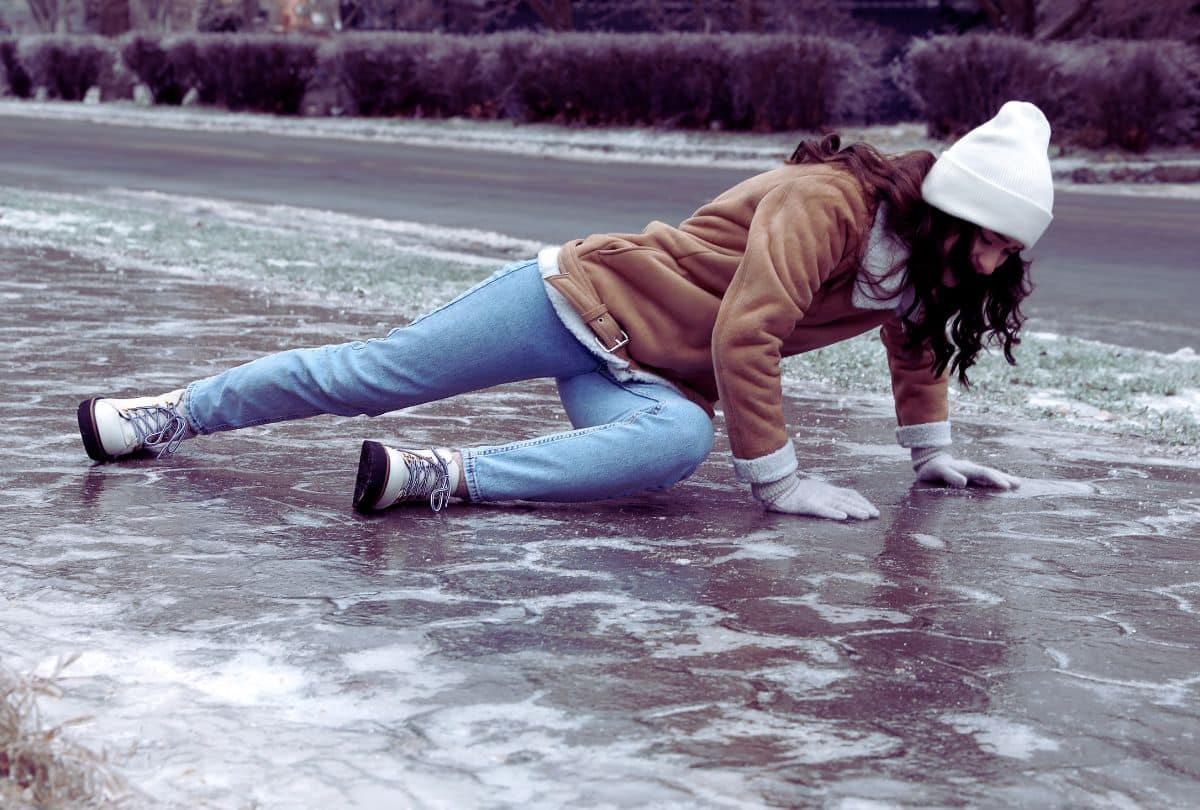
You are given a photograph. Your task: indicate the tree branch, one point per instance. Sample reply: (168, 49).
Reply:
(994, 15)
(557, 16)
(1064, 26)
(44, 13)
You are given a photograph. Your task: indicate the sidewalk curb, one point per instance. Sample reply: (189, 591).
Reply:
(1182, 171)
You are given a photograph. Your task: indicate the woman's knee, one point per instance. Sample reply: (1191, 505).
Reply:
(683, 440)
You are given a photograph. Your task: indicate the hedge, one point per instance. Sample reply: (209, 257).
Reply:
(1131, 94)
(67, 67)
(261, 73)
(688, 80)
(1127, 93)
(413, 75)
(737, 82)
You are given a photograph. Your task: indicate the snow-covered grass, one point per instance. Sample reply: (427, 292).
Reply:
(304, 253)
(39, 765)
(735, 150)
(409, 268)
(1082, 384)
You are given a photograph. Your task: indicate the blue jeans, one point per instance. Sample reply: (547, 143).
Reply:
(628, 436)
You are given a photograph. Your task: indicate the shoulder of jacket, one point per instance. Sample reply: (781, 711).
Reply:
(830, 187)
(832, 179)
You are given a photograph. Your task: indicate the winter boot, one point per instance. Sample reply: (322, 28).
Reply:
(387, 476)
(112, 428)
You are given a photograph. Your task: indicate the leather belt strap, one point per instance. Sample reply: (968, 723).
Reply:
(607, 332)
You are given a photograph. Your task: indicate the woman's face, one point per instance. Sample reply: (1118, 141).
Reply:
(989, 251)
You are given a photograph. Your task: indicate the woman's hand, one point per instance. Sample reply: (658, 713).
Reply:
(943, 468)
(807, 496)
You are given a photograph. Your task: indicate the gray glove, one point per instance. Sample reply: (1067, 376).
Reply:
(807, 496)
(936, 466)
(777, 486)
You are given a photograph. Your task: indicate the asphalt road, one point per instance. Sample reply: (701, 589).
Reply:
(1117, 268)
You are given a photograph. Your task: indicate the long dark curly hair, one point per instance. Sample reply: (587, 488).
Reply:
(951, 321)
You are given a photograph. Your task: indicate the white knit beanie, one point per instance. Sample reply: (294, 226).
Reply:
(998, 175)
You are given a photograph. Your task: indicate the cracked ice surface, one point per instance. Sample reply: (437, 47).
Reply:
(245, 638)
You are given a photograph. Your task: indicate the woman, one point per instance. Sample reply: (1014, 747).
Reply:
(644, 333)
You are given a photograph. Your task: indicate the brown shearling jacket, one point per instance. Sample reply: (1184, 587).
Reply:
(762, 272)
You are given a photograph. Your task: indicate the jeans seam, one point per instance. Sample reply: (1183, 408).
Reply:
(469, 455)
(189, 415)
(627, 385)
(254, 423)
(468, 462)
(191, 412)
(190, 418)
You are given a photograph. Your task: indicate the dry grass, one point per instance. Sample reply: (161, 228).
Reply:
(39, 766)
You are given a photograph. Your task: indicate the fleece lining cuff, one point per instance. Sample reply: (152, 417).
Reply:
(929, 434)
(768, 468)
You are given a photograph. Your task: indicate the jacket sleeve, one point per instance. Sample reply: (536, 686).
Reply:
(797, 237)
(920, 395)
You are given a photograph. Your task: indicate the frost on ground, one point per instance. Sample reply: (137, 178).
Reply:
(39, 765)
(302, 253)
(408, 268)
(1082, 384)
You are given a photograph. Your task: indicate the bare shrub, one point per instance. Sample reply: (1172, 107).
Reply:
(15, 78)
(682, 82)
(411, 74)
(68, 66)
(148, 59)
(685, 80)
(271, 74)
(1132, 94)
(575, 78)
(453, 76)
(788, 82)
(958, 83)
(39, 766)
(1126, 94)
(246, 72)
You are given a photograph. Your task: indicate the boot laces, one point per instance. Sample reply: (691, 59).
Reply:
(427, 478)
(157, 427)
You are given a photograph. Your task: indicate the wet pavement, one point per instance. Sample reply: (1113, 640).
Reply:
(246, 640)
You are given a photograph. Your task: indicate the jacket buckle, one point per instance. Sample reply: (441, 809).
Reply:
(620, 342)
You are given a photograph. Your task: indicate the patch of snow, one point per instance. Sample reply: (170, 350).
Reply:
(800, 679)
(1187, 354)
(48, 222)
(762, 550)
(1175, 191)
(844, 614)
(1001, 737)
(928, 541)
(1054, 402)
(1175, 593)
(1061, 659)
(1186, 399)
